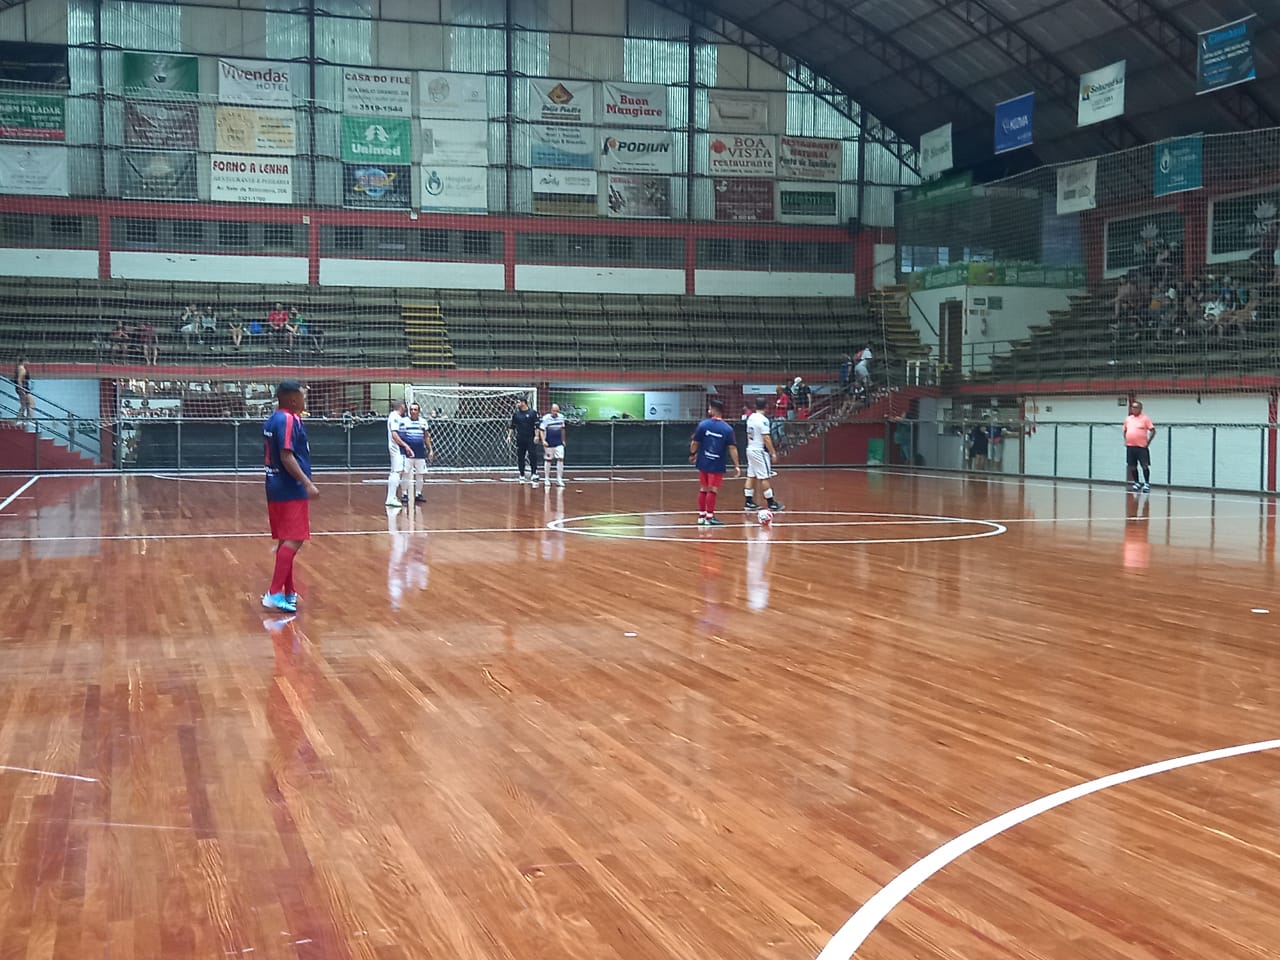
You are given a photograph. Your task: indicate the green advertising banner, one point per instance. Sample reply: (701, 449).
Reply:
(156, 74)
(25, 117)
(379, 139)
(600, 405)
(997, 275)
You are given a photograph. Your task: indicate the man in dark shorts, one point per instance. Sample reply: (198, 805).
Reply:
(524, 431)
(289, 491)
(711, 442)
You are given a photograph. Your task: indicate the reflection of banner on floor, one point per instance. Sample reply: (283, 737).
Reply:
(235, 179)
(744, 200)
(382, 93)
(161, 126)
(159, 175)
(636, 151)
(631, 195)
(378, 186)
(33, 171)
(456, 96)
(455, 143)
(160, 74)
(250, 130)
(26, 117)
(455, 189)
(560, 145)
(1077, 187)
(1225, 56)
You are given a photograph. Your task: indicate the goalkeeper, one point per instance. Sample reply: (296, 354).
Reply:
(523, 430)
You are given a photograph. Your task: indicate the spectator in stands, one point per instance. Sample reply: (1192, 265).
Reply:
(846, 373)
(293, 326)
(145, 336)
(277, 320)
(119, 342)
(208, 321)
(235, 327)
(1130, 298)
(802, 396)
(22, 385)
(782, 404)
(192, 325)
(862, 371)
(314, 332)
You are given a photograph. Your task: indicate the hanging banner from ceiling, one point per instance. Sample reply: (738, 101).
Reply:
(455, 190)
(1014, 123)
(1225, 57)
(561, 101)
(1101, 94)
(160, 74)
(743, 200)
(376, 92)
(561, 145)
(26, 117)
(739, 155)
(161, 126)
(804, 158)
(935, 151)
(455, 143)
(1078, 187)
(252, 131)
(453, 96)
(235, 179)
(33, 171)
(734, 111)
(638, 196)
(255, 82)
(634, 104)
(636, 151)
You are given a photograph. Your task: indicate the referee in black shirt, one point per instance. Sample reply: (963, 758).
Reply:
(524, 426)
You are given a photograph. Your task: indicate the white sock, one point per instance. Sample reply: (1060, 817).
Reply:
(393, 481)
(768, 494)
(560, 470)
(417, 484)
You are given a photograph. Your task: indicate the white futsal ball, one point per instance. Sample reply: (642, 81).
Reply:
(765, 516)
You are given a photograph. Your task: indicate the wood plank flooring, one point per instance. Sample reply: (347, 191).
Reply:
(622, 737)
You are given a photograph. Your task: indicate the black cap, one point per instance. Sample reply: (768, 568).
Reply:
(288, 386)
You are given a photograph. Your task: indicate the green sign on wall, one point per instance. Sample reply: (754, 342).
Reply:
(24, 117)
(157, 74)
(600, 404)
(376, 139)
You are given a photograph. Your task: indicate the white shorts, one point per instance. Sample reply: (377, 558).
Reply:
(397, 460)
(759, 464)
(555, 453)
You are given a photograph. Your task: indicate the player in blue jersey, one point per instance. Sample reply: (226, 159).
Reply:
(551, 432)
(712, 446)
(414, 432)
(289, 491)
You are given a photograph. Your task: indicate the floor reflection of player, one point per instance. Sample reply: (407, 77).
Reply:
(295, 688)
(758, 568)
(1137, 532)
(715, 611)
(552, 509)
(408, 568)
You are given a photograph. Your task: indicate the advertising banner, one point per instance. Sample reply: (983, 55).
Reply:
(808, 203)
(636, 151)
(377, 92)
(254, 131)
(1237, 225)
(743, 200)
(734, 111)
(159, 175)
(561, 101)
(25, 117)
(234, 179)
(1014, 123)
(739, 155)
(39, 63)
(453, 96)
(1077, 187)
(935, 151)
(376, 140)
(161, 126)
(377, 186)
(804, 158)
(634, 104)
(638, 196)
(455, 189)
(1134, 241)
(33, 171)
(256, 82)
(561, 145)
(574, 182)
(160, 74)
(600, 404)
(1179, 165)
(455, 143)
(1101, 94)
(1225, 56)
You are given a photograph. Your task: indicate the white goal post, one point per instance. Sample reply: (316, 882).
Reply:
(469, 424)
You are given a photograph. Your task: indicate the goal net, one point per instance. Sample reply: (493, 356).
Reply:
(469, 424)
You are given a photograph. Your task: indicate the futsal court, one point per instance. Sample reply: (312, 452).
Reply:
(577, 725)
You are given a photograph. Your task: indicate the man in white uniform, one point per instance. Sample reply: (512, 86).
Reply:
(551, 431)
(760, 455)
(399, 450)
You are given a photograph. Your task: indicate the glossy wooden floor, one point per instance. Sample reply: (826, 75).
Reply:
(626, 738)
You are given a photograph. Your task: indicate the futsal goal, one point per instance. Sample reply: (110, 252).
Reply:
(469, 424)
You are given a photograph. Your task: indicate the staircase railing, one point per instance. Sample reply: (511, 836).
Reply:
(52, 420)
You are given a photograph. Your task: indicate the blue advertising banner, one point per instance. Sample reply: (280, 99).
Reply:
(1013, 123)
(1225, 56)
(1179, 165)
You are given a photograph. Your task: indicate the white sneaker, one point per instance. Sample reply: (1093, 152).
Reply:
(559, 483)
(522, 479)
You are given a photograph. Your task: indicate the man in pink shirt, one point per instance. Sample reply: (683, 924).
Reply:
(1138, 433)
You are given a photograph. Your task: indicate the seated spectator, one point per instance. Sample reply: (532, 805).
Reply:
(1130, 298)
(119, 342)
(209, 320)
(277, 320)
(292, 328)
(235, 327)
(192, 325)
(314, 332)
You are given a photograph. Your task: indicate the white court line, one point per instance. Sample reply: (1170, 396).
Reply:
(850, 937)
(263, 535)
(22, 489)
(50, 773)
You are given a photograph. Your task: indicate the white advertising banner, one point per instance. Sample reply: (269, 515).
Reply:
(804, 158)
(561, 145)
(380, 93)
(935, 151)
(453, 96)
(255, 82)
(561, 101)
(455, 143)
(734, 111)
(260, 132)
(455, 189)
(741, 155)
(636, 151)
(633, 104)
(575, 182)
(33, 171)
(235, 179)
(1101, 94)
(1077, 187)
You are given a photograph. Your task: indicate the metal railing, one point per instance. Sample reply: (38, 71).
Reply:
(52, 421)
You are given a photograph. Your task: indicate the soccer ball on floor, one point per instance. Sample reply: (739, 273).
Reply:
(765, 516)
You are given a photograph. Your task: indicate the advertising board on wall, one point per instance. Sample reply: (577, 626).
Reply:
(376, 140)
(561, 145)
(377, 92)
(455, 143)
(28, 117)
(251, 130)
(33, 170)
(453, 96)
(561, 101)
(743, 200)
(735, 111)
(633, 195)
(255, 82)
(743, 155)
(633, 104)
(455, 190)
(808, 202)
(158, 175)
(376, 186)
(160, 74)
(161, 125)
(805, 158)
(636, 151)
(236, 179)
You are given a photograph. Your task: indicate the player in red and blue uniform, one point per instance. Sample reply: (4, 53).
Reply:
(712, 443)
(289, 491)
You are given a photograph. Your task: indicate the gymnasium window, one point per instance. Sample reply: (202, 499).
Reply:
(477, 244)
(188, 233)
(620, 250)
(537, 246)
(278, 235)
(141, 232)
(348, 238)
(434, 242)
(67, 230)
(664, 250)
(391, 240)
(18, 228)
(232, 234)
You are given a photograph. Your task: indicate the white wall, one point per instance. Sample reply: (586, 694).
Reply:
(598, 279)
(885, 268)
(224, 268)
(77, 264)
(81, 397)
(750, 283)
(411, 273)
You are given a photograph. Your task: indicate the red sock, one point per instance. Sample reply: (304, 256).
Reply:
(702, 501)
(711, 503)
(284, 568)
(289, 588)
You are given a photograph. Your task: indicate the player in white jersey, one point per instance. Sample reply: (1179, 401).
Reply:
(760, 455)
(399, 451)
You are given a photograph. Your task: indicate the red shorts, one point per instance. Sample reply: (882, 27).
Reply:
(713, 480)
(290, 519)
